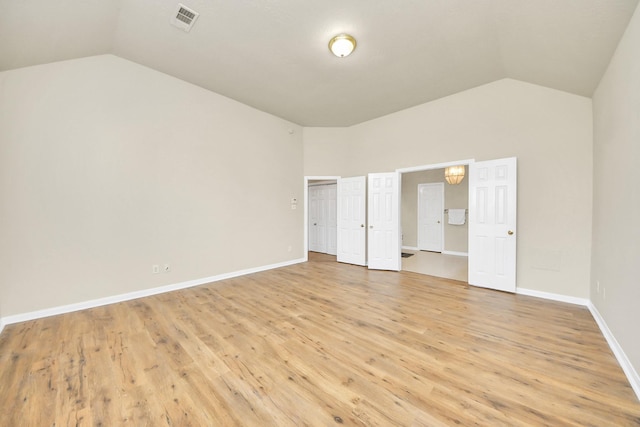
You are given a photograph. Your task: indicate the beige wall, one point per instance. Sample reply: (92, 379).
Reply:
(455, 196)
(616, 230)
(550, 132)
(108, 167)
(327, 141)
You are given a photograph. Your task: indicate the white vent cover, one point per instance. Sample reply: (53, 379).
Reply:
(184, 18)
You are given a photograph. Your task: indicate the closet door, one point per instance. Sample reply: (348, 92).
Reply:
(332, 219)
(321, 222)
(314, 209)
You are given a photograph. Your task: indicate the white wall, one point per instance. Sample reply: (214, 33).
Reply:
(616, 230)
(108, 167)
(549, 131)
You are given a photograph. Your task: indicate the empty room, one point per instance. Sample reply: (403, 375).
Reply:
(204, 206)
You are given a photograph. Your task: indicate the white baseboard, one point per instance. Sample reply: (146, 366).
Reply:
(554, 297)
(455, 253)
(411, 248)
(623, 360)
(137, 294)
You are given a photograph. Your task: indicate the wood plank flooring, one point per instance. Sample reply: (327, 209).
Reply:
(319, 343)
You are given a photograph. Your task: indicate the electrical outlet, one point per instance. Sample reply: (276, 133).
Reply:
(289, 249)
(604, 293)
(598, 286)
(155, 269)
(167, 268)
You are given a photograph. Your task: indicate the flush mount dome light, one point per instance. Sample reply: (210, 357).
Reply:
(342, 45)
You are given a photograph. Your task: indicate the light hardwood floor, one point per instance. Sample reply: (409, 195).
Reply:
(319, 343)
(437, 264)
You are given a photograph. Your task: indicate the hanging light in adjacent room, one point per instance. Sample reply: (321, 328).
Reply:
(342, 45)
(454, 174)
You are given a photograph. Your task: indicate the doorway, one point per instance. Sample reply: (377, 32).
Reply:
(447, 257)
(321, 215)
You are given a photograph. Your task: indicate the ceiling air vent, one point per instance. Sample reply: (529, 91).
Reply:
(184, 18)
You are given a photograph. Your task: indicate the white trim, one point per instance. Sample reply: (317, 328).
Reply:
(623, 360)
(411, 248)
(306, 207)
(138, 294)
(435, 166)
(456, 253)
(1, 324)
(553, 297)
(618, 352)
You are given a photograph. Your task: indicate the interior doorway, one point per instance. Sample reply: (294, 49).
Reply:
(450, 258)
(321, 215)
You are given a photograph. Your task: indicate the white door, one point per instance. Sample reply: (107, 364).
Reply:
(331, 212)
(430, 216)
(322, 218)
(314, 212)
(384, 221)
(492, 224)
(351, 221)
(321, 222)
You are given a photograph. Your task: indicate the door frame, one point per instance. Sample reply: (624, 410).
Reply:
(306, 207)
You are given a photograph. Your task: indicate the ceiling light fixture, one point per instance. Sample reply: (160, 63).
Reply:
(454, 174)
(342, 45)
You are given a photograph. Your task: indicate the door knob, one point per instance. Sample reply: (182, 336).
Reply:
(510, 233)
(361, 225)
(315, 223)
(438, 222)
(371, 226)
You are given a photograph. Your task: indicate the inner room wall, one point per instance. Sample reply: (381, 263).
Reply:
(615, 290)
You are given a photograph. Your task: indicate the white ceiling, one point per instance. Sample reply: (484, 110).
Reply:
(273, 55)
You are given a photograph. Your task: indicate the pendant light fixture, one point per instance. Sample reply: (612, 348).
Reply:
(454, 174)
(342, 45)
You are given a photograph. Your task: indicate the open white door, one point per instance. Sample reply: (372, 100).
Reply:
(384, 221)
(492, 224)
(351, 221)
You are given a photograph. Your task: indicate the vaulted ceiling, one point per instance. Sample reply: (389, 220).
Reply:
(273, 55)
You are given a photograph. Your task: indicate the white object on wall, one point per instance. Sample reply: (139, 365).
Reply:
(457, 216)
